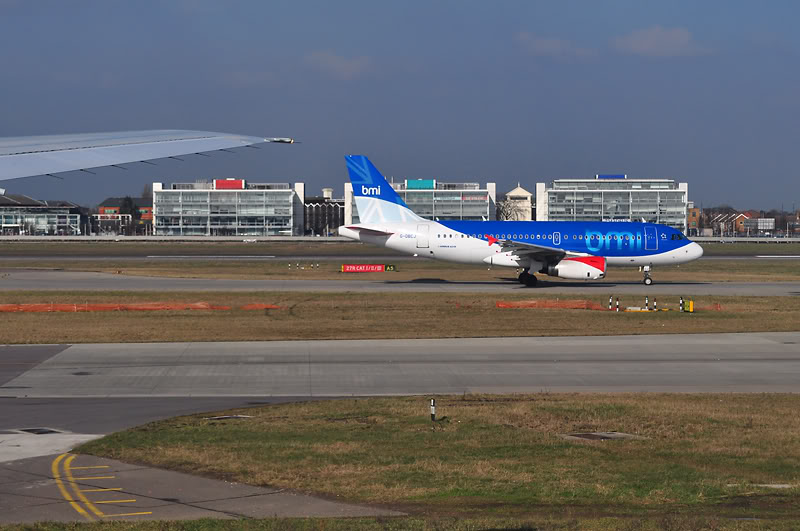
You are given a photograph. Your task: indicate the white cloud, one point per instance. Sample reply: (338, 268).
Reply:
(545, 47)
(336, 65)
(659, 42)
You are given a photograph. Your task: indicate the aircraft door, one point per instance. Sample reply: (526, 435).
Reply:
(650, 239)
(556, 238)
(422, 236)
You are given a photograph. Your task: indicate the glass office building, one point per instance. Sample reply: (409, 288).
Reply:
(435, 200)
(228, 207)
(23, 215)
(613, 198)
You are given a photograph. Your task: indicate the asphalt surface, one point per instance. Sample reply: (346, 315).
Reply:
(83, 391)
(14, 361)
(34, 280)
(38, 489)
(755, 362)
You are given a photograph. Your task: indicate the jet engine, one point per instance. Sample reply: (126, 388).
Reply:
(579, 268)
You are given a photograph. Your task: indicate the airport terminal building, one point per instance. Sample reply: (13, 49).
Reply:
(228, 207)
(613, 198)
(23, 215)
(435, 200)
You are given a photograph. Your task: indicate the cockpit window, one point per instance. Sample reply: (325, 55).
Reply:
(678, 236)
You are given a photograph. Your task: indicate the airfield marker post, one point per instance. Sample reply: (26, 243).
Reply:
(681, 302)
(433, 410)
(610, 300)
(655, 304)
(647, 303)
(617, 303)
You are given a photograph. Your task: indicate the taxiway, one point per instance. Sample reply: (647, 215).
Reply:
(48, 280)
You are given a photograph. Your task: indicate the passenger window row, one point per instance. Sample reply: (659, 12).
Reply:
(550, 236)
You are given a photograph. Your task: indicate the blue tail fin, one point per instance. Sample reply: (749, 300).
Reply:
(376, 200)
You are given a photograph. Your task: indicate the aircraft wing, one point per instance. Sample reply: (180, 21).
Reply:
(42, 155)
(542, 253)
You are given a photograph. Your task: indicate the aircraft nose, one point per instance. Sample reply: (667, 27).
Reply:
(695, 250)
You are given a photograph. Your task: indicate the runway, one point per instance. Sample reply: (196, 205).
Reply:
(754, 362)
(48, 280)
(83, 391)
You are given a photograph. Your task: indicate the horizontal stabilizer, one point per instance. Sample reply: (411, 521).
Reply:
(371, 232)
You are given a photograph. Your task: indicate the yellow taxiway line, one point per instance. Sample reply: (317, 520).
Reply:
(64, 492)
(67, 484)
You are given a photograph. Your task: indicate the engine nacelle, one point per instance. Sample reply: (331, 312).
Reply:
(579, 268)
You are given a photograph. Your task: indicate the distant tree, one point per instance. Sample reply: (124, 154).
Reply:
(723, 209)
(128, 206)
(147, 191)
(510, 210)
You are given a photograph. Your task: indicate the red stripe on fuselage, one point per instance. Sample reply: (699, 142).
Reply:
(597, 262)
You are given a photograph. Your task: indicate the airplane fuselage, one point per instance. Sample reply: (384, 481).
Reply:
(565, 249)
(477, 242)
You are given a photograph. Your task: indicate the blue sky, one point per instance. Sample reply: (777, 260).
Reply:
(704, 92)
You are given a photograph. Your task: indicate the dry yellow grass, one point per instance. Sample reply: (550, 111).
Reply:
(368, 316)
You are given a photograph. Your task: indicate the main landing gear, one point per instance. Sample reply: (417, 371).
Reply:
(527, 278)
(648, 280)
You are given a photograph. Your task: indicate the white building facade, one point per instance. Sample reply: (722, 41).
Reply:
(435, 200)
(613, 198)
(517, 206)
(228, 207)
(756, 225)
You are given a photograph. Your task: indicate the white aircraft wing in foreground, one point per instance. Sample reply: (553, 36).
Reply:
(44, 155)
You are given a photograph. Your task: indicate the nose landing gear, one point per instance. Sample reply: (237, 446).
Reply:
(648, 280)
(527, 278)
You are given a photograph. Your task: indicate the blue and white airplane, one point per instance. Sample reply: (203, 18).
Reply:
(565, 249)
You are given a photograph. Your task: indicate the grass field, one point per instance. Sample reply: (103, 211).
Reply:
(671, 522)
(502, 456)
(744, 270)
(367, 316)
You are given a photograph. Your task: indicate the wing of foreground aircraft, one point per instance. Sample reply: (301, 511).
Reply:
(44, 155)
